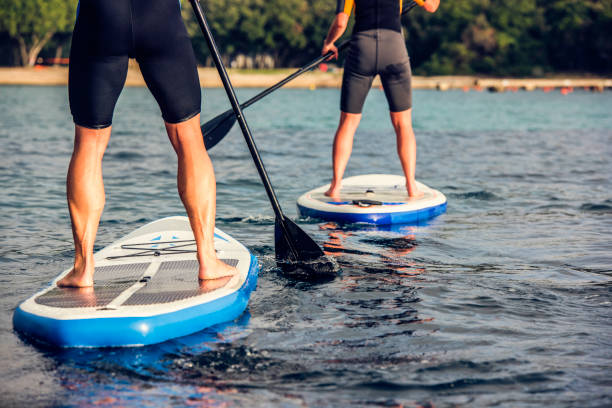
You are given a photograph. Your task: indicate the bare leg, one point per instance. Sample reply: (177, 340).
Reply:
(197, 189)
(85, 193)
(343, 145)
(406, 148)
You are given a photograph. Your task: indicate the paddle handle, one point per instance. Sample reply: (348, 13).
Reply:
(197, 8)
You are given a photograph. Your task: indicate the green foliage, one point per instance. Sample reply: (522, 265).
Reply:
(36, 17)
(32, 23)
(282, 28)
(578, 34)
(494, 37)
(512, 37)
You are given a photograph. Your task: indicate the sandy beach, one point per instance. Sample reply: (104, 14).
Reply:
(44, 75)
(49, 76)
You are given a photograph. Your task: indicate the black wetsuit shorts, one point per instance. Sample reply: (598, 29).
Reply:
(377, 48)
(109, 32)
(376, 52)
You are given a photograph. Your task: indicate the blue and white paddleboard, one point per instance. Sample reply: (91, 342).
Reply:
(373, 199)
(146, 290)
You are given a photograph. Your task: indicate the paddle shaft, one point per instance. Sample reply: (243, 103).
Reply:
(212, 136)
(307, 67)
(291, 77)
(197, 8)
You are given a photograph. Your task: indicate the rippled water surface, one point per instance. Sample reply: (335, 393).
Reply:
(505, 300)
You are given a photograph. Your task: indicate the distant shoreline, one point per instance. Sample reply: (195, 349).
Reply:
(49, 76)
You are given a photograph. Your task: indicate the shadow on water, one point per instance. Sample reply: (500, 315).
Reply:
(147, 361)
(111, 376)
(391, 244)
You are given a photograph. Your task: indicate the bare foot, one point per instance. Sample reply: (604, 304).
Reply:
(417, 195)
(414, 192)
(215, 269)
(333, 191)
(77, 279)
(208, 285)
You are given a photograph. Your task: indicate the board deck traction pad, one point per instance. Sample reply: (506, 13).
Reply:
(146, 280)
(373, 199)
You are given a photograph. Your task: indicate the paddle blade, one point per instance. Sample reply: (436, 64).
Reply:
(217, 128)
(299, 257)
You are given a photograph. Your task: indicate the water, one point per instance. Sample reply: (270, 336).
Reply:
(505, 300)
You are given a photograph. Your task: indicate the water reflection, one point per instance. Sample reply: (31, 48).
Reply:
(391, 244)
(381, 269)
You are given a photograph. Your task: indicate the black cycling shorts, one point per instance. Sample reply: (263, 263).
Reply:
(376, 52)
(109, 32)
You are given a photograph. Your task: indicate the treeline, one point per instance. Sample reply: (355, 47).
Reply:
(494, 37)
(512, 37)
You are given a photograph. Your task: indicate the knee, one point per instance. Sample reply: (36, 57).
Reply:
(402, 126)
(401, 122)
(350, 120)
(186, 136)
(186, 143)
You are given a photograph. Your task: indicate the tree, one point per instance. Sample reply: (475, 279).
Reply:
(284, 29)
(503, 37)
(32, 23)
(578, 35)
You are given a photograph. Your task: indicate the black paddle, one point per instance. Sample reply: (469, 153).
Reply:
(218, 127)
(215, 129)
(296, 253)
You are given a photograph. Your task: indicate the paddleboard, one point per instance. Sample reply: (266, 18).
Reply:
(146, 290)
(372, 199)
